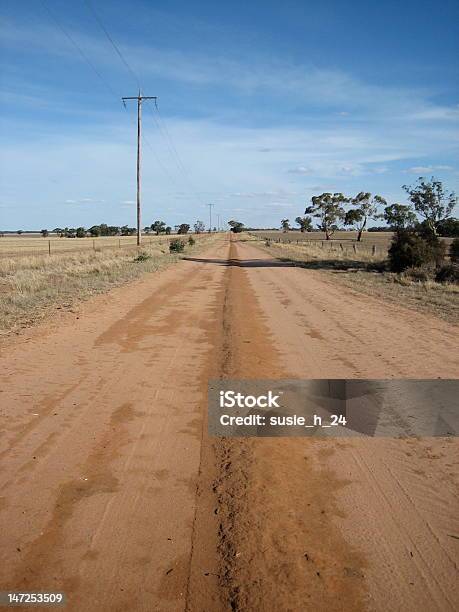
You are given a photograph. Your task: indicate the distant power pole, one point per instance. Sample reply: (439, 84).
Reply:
(139, 99)
(210, 216)
(218, 222)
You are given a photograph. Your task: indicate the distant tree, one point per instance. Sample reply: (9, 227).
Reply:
(236, 226)
(199, 227)
(285, 225)
(431, 201)
(20, 232)
(44, 233)
(184, 228)
(94, 231)
(399, 216)
(366, 207)
(128, 231)
(147, 229)
(168, 230)
(70, 232)
(59, 231)
(305, 224)
(80, 232)
(328, 208)
(159, 227)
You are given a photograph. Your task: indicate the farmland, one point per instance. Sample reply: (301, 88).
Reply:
(375, 243)
(27, 245)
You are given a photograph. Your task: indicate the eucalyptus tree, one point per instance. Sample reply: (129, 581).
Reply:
(431, 201)
(365, 207)
(328, 208)
(305, 224)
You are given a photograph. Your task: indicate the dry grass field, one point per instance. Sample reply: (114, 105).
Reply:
(376, 243)
(364, 270)
(35, 244)
(31, 284)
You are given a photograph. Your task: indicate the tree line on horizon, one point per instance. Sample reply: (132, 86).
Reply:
(157, 227)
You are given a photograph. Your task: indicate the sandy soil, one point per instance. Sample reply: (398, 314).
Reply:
(112, 492)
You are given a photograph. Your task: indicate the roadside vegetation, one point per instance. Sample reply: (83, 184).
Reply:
(418, 267)
(33, 287)
(368, 274)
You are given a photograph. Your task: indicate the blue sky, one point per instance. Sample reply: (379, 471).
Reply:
(266, 103)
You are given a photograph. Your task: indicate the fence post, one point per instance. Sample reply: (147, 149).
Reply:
(341, 246)
(49, 247)
(373, 250)
(355, 248)
(119, 242)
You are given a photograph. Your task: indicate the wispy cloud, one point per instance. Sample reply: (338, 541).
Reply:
(428, 169)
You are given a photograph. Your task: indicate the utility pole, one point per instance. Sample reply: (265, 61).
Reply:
(218, 222)
(210, 216)
(139, 99)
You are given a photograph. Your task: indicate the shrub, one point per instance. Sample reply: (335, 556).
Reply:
(411, 250)
(454, 250)
(176, 246)
(142, 256)
(448, 274)
(421, 275)
(191, 241)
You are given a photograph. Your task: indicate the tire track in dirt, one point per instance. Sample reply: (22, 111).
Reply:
(273, 555)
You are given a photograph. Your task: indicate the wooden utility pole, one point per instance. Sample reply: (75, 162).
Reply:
(139, 99)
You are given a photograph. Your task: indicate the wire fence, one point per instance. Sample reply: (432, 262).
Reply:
(28, 247)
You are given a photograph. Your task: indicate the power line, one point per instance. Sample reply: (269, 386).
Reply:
(79, 49)
(112, 42)
(161, 128)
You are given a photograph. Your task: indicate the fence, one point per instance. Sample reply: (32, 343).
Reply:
(346, 247)
(26, 247)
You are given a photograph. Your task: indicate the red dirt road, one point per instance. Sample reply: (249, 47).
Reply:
(112, 492)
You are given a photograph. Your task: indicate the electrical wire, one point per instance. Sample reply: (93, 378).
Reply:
(112, 42)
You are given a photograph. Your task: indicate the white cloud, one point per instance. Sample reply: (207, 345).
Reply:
(428, 169)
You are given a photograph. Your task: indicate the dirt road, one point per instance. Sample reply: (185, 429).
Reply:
(112, 492)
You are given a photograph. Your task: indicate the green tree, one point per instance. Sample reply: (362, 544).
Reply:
(44, 233)
(199, 227)
(94, 231)
(236, 226)
(285, 225)
(159, 227)
(366, 207)
(183, 228)
(399, 216)
(168, 230)
(328, 208)
(449, 228)
(80, 232)
(305, 224)
(431, 201)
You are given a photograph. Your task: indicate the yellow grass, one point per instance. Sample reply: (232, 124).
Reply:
(26, 245)
(32, 285)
